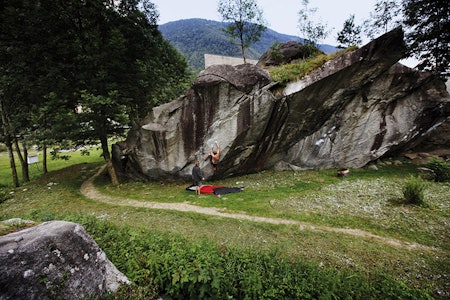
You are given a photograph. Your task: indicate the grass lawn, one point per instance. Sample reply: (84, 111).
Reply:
(368, 203)
(75, 157)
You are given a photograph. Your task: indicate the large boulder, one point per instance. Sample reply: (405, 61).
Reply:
(356, 108)
(55, 260)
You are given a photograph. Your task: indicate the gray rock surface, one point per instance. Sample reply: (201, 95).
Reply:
(55, 260)
(353, 110)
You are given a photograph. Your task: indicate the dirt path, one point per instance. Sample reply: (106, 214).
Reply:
(89, 191)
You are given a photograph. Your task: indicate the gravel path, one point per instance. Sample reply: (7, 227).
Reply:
(88, 190)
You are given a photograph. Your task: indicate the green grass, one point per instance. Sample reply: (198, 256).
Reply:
(296, 70)
(366, 200)
(75, 157)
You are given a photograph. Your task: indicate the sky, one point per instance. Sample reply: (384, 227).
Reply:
(281, 15)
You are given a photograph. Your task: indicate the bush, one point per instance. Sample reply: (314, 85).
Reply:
(440, 168)
(413, 190)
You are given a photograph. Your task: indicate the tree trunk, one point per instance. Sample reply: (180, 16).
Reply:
(240, 28)
(44, 159)
(7, 136)
(12, 162)
(109, 165)
(243, 53)
(23, 160)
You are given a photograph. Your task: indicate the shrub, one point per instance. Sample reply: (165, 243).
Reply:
(440, 168)
(413, 190)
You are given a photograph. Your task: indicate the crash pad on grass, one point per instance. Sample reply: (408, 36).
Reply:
(227, 190)
(214, 189)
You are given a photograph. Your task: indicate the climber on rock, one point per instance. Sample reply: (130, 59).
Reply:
(213, 156)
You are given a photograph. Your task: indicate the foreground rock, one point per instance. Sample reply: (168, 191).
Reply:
(55, 260)
(359, 107)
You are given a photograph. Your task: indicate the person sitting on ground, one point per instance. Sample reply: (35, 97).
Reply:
(214, 156)
(197, 177)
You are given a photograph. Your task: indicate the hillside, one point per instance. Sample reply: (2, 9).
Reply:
(195, 37)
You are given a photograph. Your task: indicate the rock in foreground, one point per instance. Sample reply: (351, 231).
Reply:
(55, 260)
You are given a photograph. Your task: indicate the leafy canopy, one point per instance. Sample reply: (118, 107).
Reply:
(107, 56)
(350, 35)
(428, 33)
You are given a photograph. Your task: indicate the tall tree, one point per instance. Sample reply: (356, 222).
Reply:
(313, 32)
(8, 141)
(246, 22)
(350, 35)
(387, 14)
(52, 50)
(128, 68)
(428, 33)
(16, 55)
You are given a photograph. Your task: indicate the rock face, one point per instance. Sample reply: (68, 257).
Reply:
(55, 260)
(354, 109)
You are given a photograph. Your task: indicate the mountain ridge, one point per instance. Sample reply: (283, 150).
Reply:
(195, 37)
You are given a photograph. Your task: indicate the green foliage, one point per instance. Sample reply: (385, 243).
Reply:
(57, 162)
(296, 70)
(440, 168)
(52, 51)
(275, 53)
(102, 114)
(413, 190)
(350, 35)
(144, 242)
(4, 195)
(169, 265)
(427, 35)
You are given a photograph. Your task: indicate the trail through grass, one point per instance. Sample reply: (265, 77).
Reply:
(336, 222)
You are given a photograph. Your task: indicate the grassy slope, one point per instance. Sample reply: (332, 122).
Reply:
(366, 200)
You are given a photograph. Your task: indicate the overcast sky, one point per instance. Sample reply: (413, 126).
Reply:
(281, 15)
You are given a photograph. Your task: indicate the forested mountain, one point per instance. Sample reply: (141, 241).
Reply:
(195, 37)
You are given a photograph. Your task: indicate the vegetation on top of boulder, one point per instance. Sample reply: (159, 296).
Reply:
(302, 67)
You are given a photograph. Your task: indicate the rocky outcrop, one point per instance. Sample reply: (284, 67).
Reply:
(55, 260)
(285, 53)
(353, 110)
